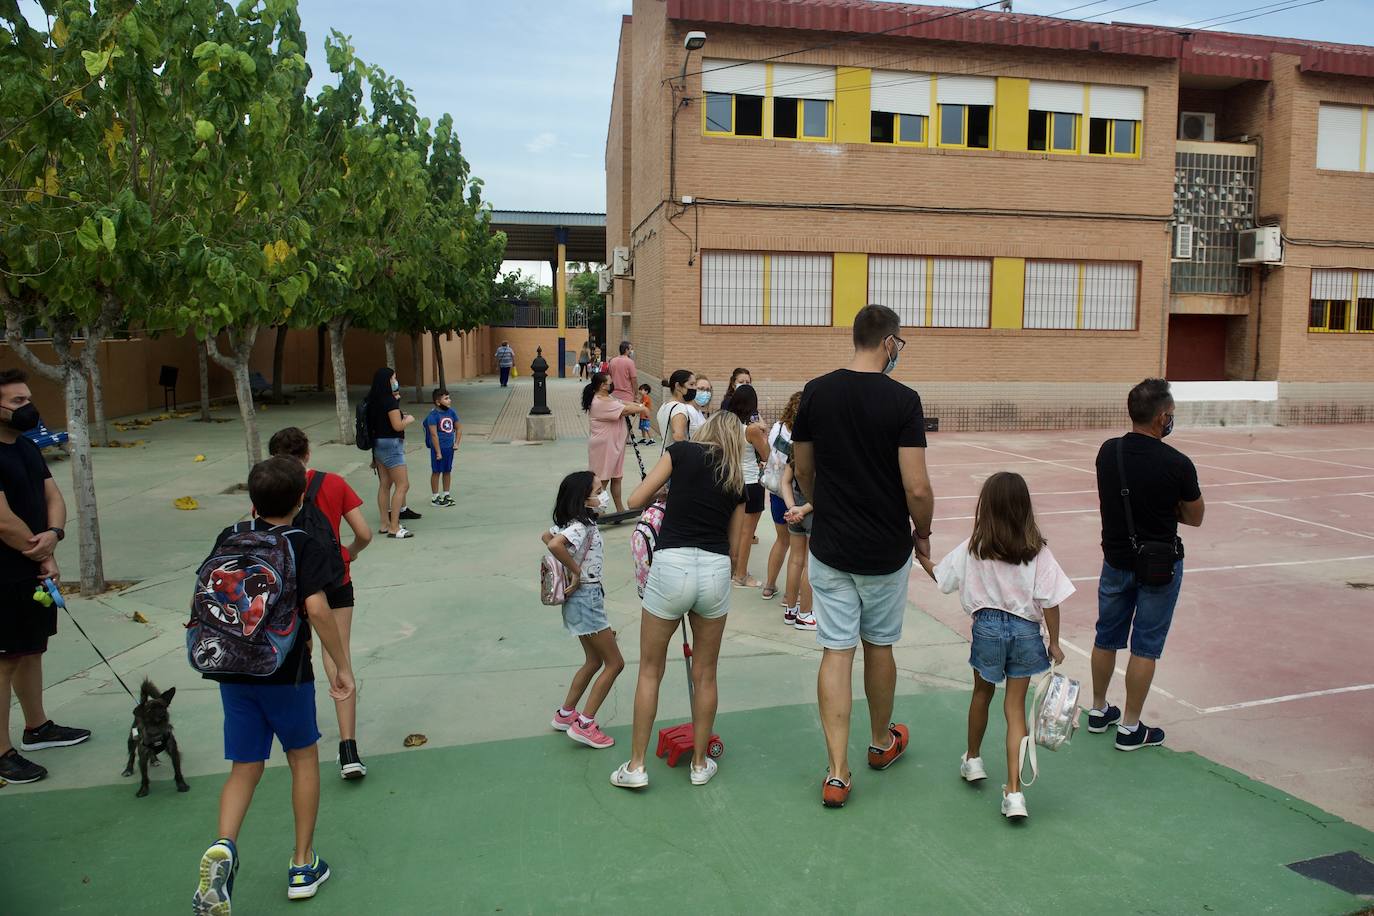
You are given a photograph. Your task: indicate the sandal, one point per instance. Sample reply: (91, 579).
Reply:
(769, 592)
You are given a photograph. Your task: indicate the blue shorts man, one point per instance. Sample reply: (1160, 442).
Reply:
(443, 432)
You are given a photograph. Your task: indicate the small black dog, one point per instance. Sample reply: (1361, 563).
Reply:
(152, 734)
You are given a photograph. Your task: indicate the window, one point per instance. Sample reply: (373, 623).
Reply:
(802, 98)
(1085, 295)
(900, 103)
(1056, 113)
(933, 292)
(1342, 300)
(734, 93)
(1343, 138)
(746, 288)
(907, 129)
(1115, 114)
(965, 110)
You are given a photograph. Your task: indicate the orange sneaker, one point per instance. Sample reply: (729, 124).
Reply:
(835, 792)
(880, 759)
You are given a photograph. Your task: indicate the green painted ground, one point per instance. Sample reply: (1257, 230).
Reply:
(497, 813)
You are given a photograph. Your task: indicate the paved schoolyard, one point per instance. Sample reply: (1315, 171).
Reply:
(497, 813)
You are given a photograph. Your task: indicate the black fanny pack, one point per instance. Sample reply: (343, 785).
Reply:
(1154, 560)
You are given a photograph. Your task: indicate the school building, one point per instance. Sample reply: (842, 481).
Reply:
(1056, 208)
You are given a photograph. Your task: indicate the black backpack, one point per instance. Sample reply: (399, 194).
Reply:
(362, 427)
(312, 521)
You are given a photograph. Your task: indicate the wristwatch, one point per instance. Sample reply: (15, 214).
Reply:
(920, 536)
(58, 531)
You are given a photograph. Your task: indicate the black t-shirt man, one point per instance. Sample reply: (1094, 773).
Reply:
(699, 508)
(856, 422)
(312, 576)
(23, 480)
(1160, 477)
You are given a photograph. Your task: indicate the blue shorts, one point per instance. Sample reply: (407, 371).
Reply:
(441, 462)
(584, 611)
(1005, 645)
(779, 508)
(644, 427)
(850, 607)
(391, 452)
(1142, 612)
(253, 713)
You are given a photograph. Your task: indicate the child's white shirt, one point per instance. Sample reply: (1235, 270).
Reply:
(576, 533)
(1024, 590)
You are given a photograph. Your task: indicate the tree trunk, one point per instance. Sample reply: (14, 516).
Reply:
(100, 431)
(279, 364)
(337, 328)
(320, 333)
(439, 358)
(203, 364)
(241, 342)
(83, 482)
(391, 350)
(417, 364)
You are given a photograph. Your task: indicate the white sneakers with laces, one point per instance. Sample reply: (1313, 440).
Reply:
(971, 768)
(1013, 804)
(702, 776)
(626, 778)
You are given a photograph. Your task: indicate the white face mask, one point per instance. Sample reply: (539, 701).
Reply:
(603, 501)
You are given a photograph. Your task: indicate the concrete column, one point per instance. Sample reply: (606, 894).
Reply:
(560, 298)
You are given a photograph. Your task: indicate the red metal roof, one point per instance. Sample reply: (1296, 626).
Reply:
(1204, 53)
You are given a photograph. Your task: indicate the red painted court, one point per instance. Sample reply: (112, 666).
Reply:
(1269, 667)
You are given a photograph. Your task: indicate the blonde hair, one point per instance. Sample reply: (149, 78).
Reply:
(723, 437)
(789, 413)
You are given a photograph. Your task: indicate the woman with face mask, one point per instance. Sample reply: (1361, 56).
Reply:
(703, 397)
(679, 418)
(606, 442)
(388, 424)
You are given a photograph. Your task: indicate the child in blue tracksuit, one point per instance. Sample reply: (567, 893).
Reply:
(443, 432)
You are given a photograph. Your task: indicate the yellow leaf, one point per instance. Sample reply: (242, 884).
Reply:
(71, 98)
(198, 458)
(347, 168)
(59, 33)
(139, 618)
(45, 185)
(243, 199)
(112, 138)
(186, 502)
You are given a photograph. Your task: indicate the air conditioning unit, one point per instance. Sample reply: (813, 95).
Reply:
(1183, 242)
(621, 265)
(1197, 125)
(603, 280)
(1262, 245)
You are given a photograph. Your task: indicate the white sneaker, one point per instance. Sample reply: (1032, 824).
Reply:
(401, 532)
(702, 776)
(972, 768)
(805, 621)
(1013, 804)
(627, 778)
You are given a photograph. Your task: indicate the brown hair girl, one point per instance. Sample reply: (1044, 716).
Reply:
(1004, 524)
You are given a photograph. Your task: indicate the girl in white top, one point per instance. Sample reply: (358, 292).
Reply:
(575, 541)
(679, 418)
(1009, 583)
(744, 403)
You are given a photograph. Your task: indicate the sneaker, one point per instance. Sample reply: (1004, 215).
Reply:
(1143, 736)
(789, 615)
(17, 770)
(437, 502)
(805, 621)
(627, 778)
(304, 881)
(648, 442)
(351, 765)
(702, 776)
(971, 768)
(218, 867)
(1100, 722)
(408, 513)
(1013, 804)
(882, 758)
(590, 735)
(834, 792)
(401, 532)
(562, 723)
(448, 502)
(50, 734)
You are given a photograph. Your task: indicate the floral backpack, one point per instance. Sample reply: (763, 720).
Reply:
(643, 540)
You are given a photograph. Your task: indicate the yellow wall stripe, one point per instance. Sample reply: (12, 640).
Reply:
(853, 98)
(767, 284)
(1011, 113)
(1008, 292)
(850, 284)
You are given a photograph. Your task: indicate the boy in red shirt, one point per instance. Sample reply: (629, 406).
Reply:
(339, 503)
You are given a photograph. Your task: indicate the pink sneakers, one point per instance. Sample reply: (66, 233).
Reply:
(562, 723)
(590, 735)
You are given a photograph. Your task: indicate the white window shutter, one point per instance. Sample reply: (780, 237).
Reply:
(803, 81)
(1121, 103)
(1052, 96)
(900, 284)
(1183, 242)
(731, 287)
(1338, 137)
(899, 92)
(963, 293)
(1333, 284)
(966, 90)
(1109, 295)
(1051, 294)
(734, 77)
(1365, 282)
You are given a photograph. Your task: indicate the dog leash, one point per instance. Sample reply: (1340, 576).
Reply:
(50, 594)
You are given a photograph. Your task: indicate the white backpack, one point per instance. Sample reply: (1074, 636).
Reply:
(1053, 718)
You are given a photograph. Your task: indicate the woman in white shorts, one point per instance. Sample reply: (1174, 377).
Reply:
(690, 576)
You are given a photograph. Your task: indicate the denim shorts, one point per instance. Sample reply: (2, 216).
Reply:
(254, 713)
(686, 579)
(1005, 645)
(850, 607)
(778, 507)
(584, 611)
(390, 452)
(1141, 612)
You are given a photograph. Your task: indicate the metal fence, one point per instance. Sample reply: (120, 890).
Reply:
(514, 313)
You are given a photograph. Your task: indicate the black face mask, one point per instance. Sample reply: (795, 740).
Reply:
(24, 419)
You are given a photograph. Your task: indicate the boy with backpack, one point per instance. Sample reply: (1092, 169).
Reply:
(443, 432)
(257, 596)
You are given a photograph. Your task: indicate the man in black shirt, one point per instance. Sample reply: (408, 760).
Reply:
(859, 449)
(32, 514)
(1163, 492)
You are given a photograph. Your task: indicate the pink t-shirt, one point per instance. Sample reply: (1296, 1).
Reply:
(623, 378)
(1024, 590)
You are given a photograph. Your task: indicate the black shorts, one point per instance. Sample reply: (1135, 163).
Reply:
(25, 625)
(753, 498)
(340, 595)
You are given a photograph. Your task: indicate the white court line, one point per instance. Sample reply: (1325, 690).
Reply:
(1154, 688)
(1211, 486)
(1291, 499)
(964, 518)
(1203, 569)
(1303, 521)
(1294, 455)
(1287, 699)
(1214, 467)
(1058, 464)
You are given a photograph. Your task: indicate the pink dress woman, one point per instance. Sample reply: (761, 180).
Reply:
(606, 443)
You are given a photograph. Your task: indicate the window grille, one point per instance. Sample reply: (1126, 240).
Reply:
(933, 292)
(731, 287)
(745, 288)
(1088, 295)
(1215, 195)
(799, 289)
